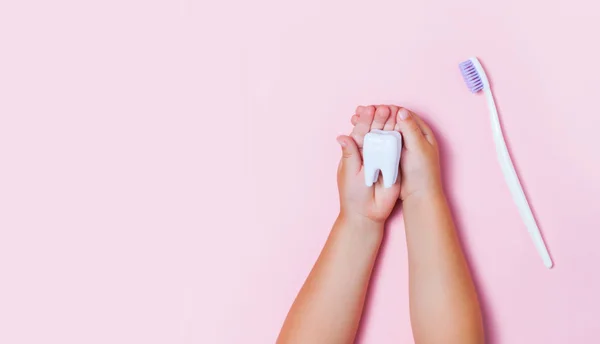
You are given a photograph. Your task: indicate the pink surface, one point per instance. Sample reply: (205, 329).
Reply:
(168, 167)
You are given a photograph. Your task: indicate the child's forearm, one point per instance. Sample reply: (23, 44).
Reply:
(328, 308)
(443, 300)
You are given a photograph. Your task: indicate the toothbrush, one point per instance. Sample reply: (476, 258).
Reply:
(476, 81)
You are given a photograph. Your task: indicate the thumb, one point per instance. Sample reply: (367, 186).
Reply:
(351, 159)
(409, 128)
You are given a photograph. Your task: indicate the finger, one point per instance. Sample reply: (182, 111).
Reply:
(382, 113)
(391, 122)
(354, 119)
(425, 129)
(409, 128)
(351, 161)
(363, 126)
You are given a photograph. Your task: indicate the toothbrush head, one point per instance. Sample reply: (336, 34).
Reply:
(474, 75)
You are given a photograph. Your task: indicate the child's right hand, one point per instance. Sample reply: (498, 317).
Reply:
(419, 165)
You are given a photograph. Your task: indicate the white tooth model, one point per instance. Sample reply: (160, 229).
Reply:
(381, 152)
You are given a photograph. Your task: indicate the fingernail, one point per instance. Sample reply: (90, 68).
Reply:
(403, 114)
(341, 142)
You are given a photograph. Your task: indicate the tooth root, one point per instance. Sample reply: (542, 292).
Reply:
(371, 174)
(389, 176)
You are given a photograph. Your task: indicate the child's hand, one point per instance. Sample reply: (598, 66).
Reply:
(356, 199)
(420, 169)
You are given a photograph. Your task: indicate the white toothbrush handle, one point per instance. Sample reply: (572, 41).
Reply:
(514, 185)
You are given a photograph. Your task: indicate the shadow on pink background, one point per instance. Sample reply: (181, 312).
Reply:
(168, 167)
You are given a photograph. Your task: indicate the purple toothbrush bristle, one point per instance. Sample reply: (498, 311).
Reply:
(472, 78)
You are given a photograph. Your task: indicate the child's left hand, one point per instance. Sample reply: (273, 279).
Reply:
(356, 199)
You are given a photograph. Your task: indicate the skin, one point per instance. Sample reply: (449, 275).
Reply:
(443, 301)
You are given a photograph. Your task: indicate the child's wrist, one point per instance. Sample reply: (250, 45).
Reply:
(432, 191)
(360, 222)
(429, 196)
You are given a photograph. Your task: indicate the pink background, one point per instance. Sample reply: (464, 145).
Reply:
(167, 168)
